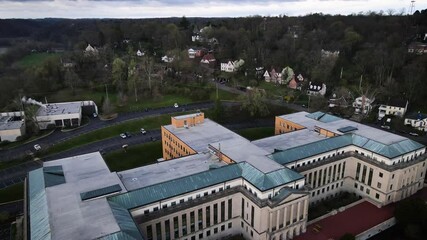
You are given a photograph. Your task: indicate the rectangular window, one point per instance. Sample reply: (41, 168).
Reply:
(334, 172)
(309, 178)
(243, 207)
(222, 227)
(343, 169)
(378, 185)
(364, 173)
(149, 232)
(200, 235)
(208, 233)
(371, 172)
(215, 230)
(208, 216)
(391, 186)
(215, 213)
(368, 191)
(184, 224)
(200, 216)
(230, 207)
(168, 229)
(320, 178)
(252, 216)
(314, 179)
(380, 174)
(377, 196)
(158, 231)
(230, 225)
(192, 222)
(175, 227)
(222, 211)
(358, 171)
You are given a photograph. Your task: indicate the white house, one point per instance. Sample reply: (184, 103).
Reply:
(417, 120)
(12, 126)
(90, 50)
(316, 89)
(139, 53)
(362, 105)
(191, 53)
(273, 76)
(167, 59)
(395, 107)
(232, 66)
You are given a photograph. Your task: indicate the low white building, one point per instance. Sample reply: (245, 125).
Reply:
(66, 114)
(232, 66)
(362, 105)
(395, 107)
(191, 53)
(316, 89)
(417, 120)
(167, 59)
(12, 126)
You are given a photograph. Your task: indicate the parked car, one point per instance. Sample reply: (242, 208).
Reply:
(176, 105)
(413, 134)
(95, 115)
(37, 147)
(123, 135)
(385, 126)
(143, 131)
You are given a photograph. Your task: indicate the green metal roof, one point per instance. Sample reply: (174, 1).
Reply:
(329, 144)
(204, 179)
(323, 117)
(39, 215)
(53, 175)
(100, 192)
(128, 228)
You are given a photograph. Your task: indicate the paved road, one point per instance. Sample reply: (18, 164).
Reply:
(94, 124)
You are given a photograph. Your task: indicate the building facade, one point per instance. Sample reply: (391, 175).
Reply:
(213, 183)
(12, 126)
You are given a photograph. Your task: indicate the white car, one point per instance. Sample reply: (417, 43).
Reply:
(413, 134)
(123, 135)
(37, 147)
(176, 105)
(143, 131)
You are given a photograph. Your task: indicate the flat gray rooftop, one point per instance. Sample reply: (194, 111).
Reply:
(69, 216)
(59, 108)
(198, 137)
(242, 150)
(288, 140)
(167, 170)
(334, 123)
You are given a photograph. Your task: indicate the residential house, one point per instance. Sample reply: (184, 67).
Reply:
(90, 50)
(273, 76)
(394, 106)
(362, 105)
(200, 52)
(329, 54)
(316, 89)
(140, 53)
(208, 59)
(232, 66)
(417, 120)
(191, 53)
(167, 59)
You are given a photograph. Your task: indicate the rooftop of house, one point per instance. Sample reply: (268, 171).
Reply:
(397, 102)
(415, 115)
(55, 198)
(59, 108)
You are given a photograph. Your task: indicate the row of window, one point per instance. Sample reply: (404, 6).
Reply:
(326, 189)
(368, 190)
(182, 200)
(321, 177)
(317, 159)
(215, 213)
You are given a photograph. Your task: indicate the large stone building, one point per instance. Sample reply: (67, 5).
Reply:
(213, 183)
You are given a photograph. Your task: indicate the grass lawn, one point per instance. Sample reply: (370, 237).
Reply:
(12, 193)
(256, 133)
(224, 95)
(35, 59)
(113, 131)
(135, 156)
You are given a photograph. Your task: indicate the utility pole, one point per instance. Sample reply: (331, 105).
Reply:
(106, 90)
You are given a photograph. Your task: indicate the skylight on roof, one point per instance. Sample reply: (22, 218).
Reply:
(347, 129)
(100, 192)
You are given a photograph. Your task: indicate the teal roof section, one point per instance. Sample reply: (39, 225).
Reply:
(168, 189)
(329, 144)
(39, 215)
(128, 228)
(323, 117)
(53, 175)
(100, 192)
(347, 129)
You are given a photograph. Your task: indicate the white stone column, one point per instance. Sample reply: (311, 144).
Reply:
(305, 208)
(298, 210)
(292, 213)
(277, 218)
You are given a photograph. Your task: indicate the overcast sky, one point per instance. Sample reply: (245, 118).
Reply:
(193, 8)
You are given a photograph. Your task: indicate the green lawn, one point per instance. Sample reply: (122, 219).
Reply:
(135, 156)
(35, 59)
(132, 126)
(256, 133)
(12, 193)
(224, 95)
